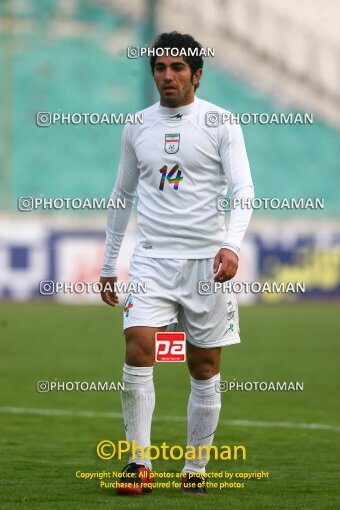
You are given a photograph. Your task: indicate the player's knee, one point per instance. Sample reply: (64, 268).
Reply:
(139, 354)
(203, 370)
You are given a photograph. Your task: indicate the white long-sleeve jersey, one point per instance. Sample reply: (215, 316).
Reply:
(179, 167)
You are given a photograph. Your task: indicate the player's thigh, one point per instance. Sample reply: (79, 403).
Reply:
(149, 311)
(203, 363)
(140, 345)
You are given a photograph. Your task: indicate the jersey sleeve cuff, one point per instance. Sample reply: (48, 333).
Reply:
(108, 272)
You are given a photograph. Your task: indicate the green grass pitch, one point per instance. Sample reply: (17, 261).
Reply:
(40, 453)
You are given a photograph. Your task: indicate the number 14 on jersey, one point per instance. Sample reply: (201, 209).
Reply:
(169, 176)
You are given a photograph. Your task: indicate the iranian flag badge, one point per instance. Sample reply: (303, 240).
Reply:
(171, 145)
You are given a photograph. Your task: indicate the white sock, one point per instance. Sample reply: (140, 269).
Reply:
(203, 412)
(138, 402)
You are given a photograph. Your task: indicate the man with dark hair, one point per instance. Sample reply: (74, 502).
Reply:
(182, 163)
(181, 42)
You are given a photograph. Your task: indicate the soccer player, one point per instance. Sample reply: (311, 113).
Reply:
(182, 161)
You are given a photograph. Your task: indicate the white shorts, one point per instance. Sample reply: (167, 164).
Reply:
(175, 298)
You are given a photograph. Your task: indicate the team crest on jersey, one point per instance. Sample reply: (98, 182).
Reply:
(171, 144)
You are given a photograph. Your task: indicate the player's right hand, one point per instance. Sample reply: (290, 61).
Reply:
(108, 294)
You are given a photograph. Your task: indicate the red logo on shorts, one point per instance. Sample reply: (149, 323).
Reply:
(170, 346)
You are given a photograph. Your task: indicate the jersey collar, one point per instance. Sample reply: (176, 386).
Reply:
(177, 114)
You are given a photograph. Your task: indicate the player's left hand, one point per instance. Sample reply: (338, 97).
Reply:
(109, 297)
(225, 265)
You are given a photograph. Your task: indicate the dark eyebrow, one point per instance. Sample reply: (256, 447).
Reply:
(177, 64)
